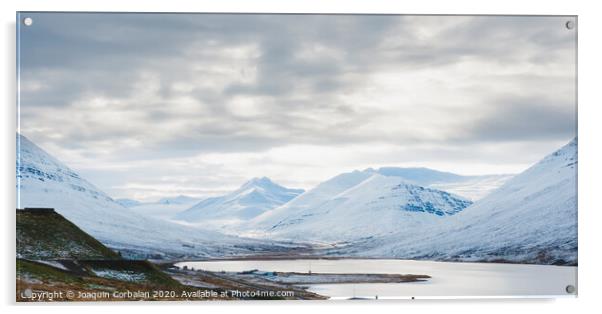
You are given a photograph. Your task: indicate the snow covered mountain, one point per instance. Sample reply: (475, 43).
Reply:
(127, 202)
(389, 212)
(309, 199)
(250, 200)
(421, 176)
(43, 181)
(531, 218)
(164, 209)
(180, 199)
(471, 187)
(356, 205)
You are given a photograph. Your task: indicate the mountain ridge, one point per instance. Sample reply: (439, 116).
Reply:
(44, 181)
(362, 204)
(532, 218)
(251, 199)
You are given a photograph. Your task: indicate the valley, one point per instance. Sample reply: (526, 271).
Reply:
(71, 236)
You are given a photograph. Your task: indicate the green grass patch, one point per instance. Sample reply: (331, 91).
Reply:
(44, 236)
(44, 272)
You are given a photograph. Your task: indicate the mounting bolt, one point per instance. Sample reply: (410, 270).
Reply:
(569, 25)
(570, 289)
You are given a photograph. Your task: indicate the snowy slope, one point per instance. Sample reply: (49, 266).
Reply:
(309, 199)
(360, 205)
(471, 187)
(164, 208)
(531, 218)
(421, 176)
(180, 199)
(43, 181)
(250, 200)
(127, 202)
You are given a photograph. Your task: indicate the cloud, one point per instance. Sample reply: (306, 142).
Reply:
(117, 88)
(523, 119)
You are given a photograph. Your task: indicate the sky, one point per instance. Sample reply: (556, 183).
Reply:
(152, 105)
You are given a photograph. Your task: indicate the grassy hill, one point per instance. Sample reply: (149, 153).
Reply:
(101, 278)
(53, 254)
(49, 236)
(57, 261)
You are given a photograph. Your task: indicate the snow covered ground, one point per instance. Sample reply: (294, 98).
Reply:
(471, 187)
(387, 212)
(165, 208)
(123, 275)
(531, 218)
(43, 181)
(252, 199)
(376, 205)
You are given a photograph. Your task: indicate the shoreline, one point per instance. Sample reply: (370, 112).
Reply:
(278, 257)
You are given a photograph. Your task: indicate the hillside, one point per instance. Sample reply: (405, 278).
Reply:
(53, 254)
(471, 187)
(57, 261)
(252, 199)
(532, 218)
(44, 181)
(43, 236)
(361, 205)
(164, 208)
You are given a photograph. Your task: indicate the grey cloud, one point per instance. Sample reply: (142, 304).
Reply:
(82, 56)
(496, 39)
(524, 119)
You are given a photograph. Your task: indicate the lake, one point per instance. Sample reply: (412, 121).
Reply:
(448, 279)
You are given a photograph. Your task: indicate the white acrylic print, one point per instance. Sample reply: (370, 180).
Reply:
(205, 156)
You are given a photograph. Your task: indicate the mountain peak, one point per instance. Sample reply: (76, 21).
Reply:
(180, 199)
(566, 155)
(43, 181)
(419, 175)
(260, 180)
(253, 198)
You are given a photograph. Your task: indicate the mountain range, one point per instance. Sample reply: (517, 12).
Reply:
(356, 205)
(44, 181)
(411, 213)
(164, 208)
(471, 187)
(252, 199)
(531, 218)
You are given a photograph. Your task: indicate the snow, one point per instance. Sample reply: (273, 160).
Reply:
(126, 202)
(55, 264)
(310, 199)
(163, 209)
(473, 187)
(463, 187)
(123, 275)
(360, 205)
(43, 181)
(180, 199)
(247, 202)
(532, 217)
(389, 212)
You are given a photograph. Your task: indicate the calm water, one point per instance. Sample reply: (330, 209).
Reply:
(448, 279)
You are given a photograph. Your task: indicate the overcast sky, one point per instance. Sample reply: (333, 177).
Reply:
(152, 105)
